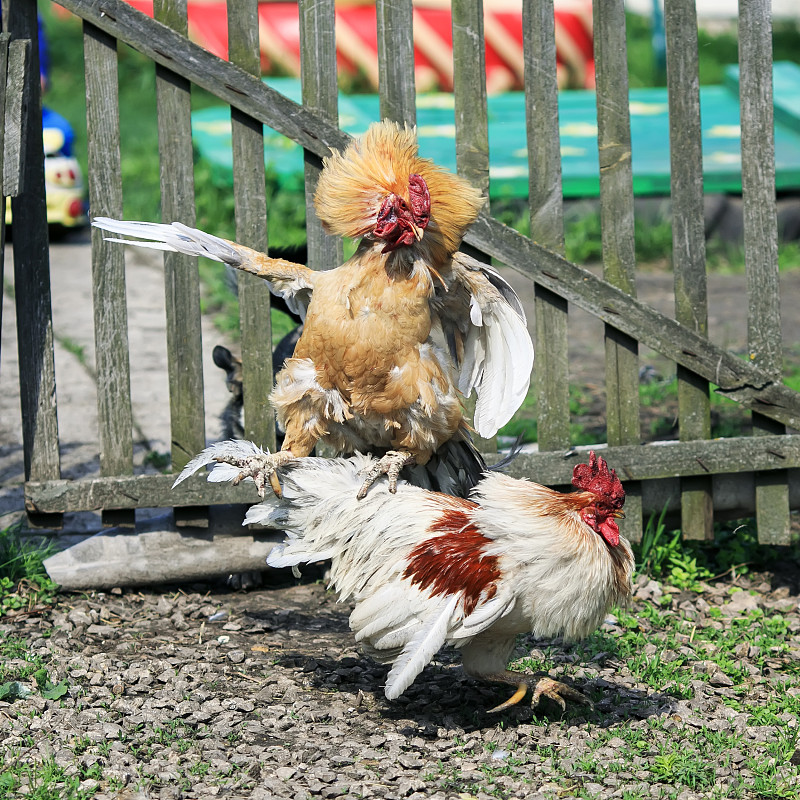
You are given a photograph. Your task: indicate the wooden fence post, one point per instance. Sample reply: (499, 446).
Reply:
(250, 199)
(551, 368)
(688, 247)
(32, 275)
(761, 244)
(114, 412)
(181, 276)
(619, 256)
(472, 120)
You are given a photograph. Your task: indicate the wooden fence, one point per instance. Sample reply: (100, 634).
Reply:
(694, 470)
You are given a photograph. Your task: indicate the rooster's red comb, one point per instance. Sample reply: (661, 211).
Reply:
(596, 477)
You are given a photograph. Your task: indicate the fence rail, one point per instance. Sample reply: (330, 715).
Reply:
(699, 470)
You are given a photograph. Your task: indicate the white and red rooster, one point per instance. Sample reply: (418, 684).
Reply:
(426, 569)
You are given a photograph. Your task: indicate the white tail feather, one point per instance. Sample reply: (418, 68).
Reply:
(420, 650)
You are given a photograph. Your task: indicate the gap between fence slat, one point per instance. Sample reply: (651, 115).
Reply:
(112, 362)
(551, 368)
(181, 275)
(688, 246)
(250, 203)
(616, 212)
(761, 242)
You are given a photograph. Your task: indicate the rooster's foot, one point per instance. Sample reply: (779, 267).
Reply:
(261, 468)
(558, 692)
(390, 465)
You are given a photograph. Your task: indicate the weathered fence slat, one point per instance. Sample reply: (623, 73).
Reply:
(4, 40)
(688, 246)
(633, 463)
(396, 60)
(32, 280)
(112, 364)
(250, 201)
(616, 212)
(551, 370)
(761, 242)
(736, 379)
(181, 274)
(15, 89)
(320, 96)
(471, 120)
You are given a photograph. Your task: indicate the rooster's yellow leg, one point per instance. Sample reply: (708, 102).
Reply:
(555, 690)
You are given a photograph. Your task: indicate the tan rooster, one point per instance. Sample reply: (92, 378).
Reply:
(425, 569)
(395, 337)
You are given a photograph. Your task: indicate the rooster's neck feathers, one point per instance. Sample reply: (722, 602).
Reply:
(354, 185)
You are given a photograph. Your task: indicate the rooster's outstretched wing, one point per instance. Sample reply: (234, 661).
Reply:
(293, 282)
(485, 328)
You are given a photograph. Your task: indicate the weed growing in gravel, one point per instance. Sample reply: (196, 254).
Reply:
(23, 579)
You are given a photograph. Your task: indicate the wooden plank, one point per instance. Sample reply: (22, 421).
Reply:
(32, 278)
(251, 229)
(14, 117)
(735, 378)
(114, 413)
(761, 242)
(397, 91)
(4, 41)
(181, 274)
(633, 463)
(688, 246)
(320, 98)
(551, 370)
(616, 213)
(229, 82)
(471, 121)
(320, 94)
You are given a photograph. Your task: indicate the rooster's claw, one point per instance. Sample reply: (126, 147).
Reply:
(390, 465)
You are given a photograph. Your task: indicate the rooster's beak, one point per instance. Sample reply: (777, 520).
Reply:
(618, 514)
(417, 231)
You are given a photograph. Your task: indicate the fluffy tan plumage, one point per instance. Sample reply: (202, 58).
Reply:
(396, 336)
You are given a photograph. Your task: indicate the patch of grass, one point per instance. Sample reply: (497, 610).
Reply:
(24, 582)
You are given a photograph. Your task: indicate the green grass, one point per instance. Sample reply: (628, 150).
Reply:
(23, 579)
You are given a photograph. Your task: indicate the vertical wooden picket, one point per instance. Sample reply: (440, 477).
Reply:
(181, 275)
(551, 370)
(688, 247)
(251, 229)
(619, 256)
(112, 363)
(471, 117)
(32, 276)
(761, 244)
(396, 60)
(320, 95)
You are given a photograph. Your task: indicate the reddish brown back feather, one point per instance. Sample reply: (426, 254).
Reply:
(453, 561)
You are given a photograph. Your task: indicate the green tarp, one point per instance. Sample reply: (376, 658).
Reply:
(508, 164)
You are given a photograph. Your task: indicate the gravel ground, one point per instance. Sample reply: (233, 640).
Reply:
(193, 693)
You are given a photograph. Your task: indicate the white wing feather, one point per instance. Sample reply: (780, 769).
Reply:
(420, 650)
(222, 472)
